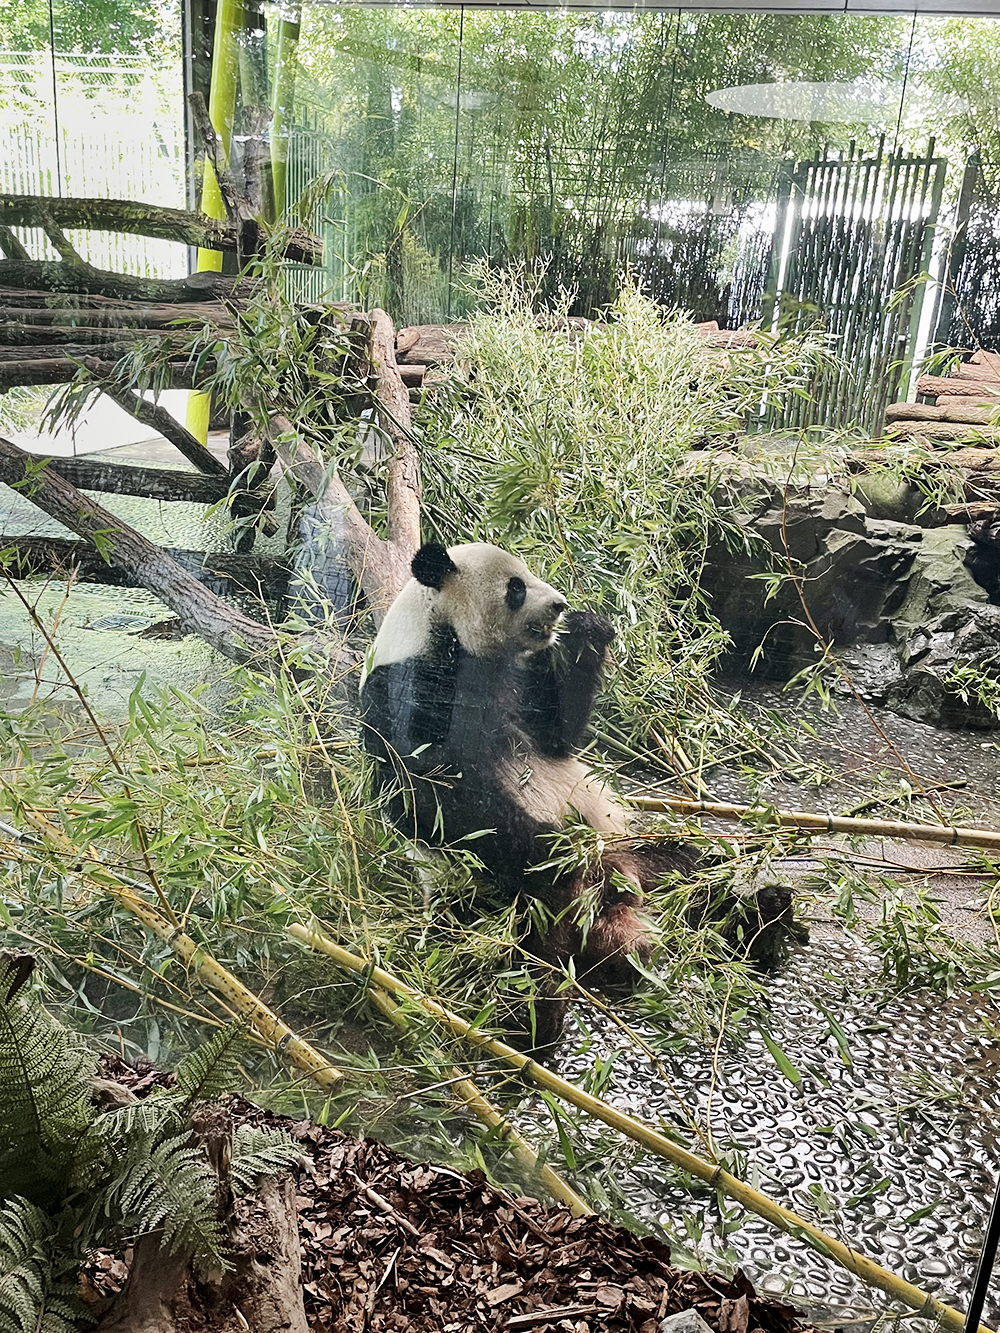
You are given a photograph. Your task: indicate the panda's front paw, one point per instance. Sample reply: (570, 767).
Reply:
(588, 627)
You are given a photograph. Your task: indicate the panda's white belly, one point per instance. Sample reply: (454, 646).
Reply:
(550, 789)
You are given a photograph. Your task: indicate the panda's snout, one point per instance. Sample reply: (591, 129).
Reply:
(542, 627)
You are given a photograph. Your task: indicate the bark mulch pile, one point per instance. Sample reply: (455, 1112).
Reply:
(391, 1245)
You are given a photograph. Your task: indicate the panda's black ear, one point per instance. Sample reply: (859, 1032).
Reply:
(431, 565)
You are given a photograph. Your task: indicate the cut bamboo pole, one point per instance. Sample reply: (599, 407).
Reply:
(470, 1096)
(267, 1024)
(805, 819)
(655, 1142)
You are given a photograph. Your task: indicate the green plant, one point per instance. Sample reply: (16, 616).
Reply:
(73, 1178)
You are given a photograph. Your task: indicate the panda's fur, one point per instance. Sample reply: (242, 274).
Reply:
(477, 693)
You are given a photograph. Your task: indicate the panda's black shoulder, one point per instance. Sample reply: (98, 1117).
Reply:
(409, 703)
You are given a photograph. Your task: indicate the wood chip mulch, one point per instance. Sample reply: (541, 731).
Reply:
(388, 1244)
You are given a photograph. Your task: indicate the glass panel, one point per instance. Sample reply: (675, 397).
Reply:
(119, 119)
(954, 92)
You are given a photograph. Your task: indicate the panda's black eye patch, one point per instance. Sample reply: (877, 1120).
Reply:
(516, 593)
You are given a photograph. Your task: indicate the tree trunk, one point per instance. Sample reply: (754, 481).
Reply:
(60, 370)
(222, 572)
(103, 312)
(49, 275)
(262, 1293)
(154, 483)
(124, 215)
(228, 631)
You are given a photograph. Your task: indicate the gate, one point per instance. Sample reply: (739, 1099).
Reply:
(852, 235)
(969, 314)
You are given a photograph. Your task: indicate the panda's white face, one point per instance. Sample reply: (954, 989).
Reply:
(488, 597)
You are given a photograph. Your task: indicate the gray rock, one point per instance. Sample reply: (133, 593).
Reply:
(685, 1321)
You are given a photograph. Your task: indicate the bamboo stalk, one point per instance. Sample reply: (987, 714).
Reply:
(651, 1139)
(266, 1023)
(805, 819)
(471, 1097)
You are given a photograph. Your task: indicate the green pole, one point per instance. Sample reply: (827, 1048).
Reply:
(282, 100)
(229, 20)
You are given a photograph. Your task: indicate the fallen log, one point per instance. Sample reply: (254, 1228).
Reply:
(48, 275)
(60, 370)
(943, 430)
(979, 371)
(110, 350)
(153, 483)
(222, 572)
(412, 374)
(124, 215)
(69, 309)
(427, 344)
(47, 337)
(988, 361)
(982, 414)
(201, 612)
(942, 386)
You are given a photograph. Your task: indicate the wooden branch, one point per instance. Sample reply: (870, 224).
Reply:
(157, 417)
(368, 556)
(55, 276)
(10, 245)
(231, 199)
(154, 483)
(66, 251)
(122, 215)
(403, 482)
(228, 631)
(940, 386)
(222, 572)
(60, 370)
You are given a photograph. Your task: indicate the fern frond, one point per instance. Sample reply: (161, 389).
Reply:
(44, 1098)
(213, 1069)
(257, 1152)
(169, 1187)
(154, 1117)
(32, 1297)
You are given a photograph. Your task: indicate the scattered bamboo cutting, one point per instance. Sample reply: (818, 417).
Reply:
(265, 1023)
(926, 1306)
(804, 819)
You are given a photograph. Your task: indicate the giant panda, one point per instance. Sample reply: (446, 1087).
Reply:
(477, 693)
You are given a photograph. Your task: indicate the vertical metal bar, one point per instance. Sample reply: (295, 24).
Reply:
(772, 303)
(984, 1271)
(454, 168)
(956, 258)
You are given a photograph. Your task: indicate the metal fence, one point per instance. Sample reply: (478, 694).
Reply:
(853, 236)
(111, 131)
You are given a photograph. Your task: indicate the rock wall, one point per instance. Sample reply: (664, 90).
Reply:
(900, 602)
